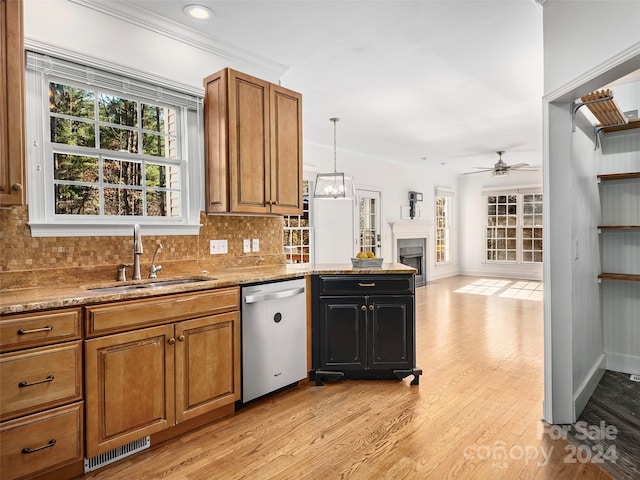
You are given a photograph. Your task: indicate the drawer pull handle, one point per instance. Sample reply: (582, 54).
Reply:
(363, 308)
(372, 284)
(27, 450)
(48, 328)
(23, 384)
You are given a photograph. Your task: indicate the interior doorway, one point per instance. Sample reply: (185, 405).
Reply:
(369, 234)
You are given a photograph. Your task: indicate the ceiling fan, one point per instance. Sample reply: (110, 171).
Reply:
(502, 169)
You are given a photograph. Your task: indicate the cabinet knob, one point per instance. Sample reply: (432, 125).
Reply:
(363, 308)
(181, 338)
(371, 307)
(17, 187)
(171, 341)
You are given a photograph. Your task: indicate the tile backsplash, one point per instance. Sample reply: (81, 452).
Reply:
(27, 261)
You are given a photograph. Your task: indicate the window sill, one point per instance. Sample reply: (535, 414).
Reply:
(108, 230)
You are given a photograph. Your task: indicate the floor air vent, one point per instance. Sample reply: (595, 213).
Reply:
(99, 461)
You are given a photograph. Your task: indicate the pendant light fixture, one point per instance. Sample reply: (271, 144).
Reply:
(336, 184)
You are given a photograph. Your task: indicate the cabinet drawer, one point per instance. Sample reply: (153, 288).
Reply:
(41, 442)
(40, 378)
(118, 317)
(366, 285)
(35, 329)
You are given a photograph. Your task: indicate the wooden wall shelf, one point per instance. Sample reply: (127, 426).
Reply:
(619, 227)
(633, 123)
(619, 176)
(626, 277)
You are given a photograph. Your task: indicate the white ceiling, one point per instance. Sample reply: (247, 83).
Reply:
(450, 81)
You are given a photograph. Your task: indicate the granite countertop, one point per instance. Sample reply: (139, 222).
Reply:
(56, 296)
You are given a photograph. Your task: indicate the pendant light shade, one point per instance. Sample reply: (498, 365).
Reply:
(336, 184)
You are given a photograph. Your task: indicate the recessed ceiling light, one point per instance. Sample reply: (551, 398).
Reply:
(198, 11)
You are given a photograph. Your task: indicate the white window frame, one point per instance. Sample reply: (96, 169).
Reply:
(188, 105)
(288, 246)
(448, 194)
(519, 192)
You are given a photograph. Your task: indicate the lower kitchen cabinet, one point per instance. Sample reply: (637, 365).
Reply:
(36, 444)
(41, 407)
(363, 327)
(144, 381)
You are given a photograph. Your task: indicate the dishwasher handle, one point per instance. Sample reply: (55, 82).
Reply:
(273, 295)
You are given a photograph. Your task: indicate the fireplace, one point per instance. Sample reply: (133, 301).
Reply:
(411, 252)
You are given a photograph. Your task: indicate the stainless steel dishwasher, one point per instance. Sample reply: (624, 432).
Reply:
(274, 336)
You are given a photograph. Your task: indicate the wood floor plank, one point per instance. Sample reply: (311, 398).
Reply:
(481, 390)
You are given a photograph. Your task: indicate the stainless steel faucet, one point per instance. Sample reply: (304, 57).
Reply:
(155, 268)
(137, 251)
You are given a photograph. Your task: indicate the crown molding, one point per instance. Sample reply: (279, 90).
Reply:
(187, 35)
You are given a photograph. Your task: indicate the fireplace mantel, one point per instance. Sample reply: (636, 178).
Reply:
(410, 230)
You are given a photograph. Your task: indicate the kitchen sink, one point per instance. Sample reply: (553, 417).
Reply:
(146, 286)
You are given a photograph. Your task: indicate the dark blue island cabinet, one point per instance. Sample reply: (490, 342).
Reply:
(363, 326)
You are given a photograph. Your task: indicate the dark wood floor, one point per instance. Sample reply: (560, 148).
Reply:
(475, 415)
(616, 402)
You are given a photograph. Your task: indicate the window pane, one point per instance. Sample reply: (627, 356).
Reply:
(122, 201)
(513, 220)
(537, 257)
(156, 203)
(511, 232)
(118, 139)
(511, 256)
(77, 200)
(72, 101)
(158, 119)
(537, 233)
(72, 132)
(155, 175)
(113, 109)
(156, 145)
(75, 168)
(491, 210)
(527, 256)
(121, 172)
(502, 255)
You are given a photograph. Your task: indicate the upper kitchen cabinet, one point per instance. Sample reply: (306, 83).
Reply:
(12, 142)
(253, 146)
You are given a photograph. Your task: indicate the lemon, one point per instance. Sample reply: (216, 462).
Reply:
(371, 255)
(361, 255)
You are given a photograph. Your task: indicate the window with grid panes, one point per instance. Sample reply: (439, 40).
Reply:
(113, 150)
(368, 225)
(443, 228)
(514, 228)
(532, 228)
(297, 232)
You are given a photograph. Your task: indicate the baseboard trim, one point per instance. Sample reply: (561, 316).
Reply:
(588, 386)
(617, 362)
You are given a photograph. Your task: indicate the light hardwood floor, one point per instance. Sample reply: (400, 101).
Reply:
(480, 395)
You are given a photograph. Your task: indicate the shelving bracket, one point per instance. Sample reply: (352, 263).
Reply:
(576, 106)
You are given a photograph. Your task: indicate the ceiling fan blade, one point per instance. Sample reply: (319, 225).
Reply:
(479, 171)
(518, 165)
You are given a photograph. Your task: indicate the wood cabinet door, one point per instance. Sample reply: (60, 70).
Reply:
(207, 364)
(391, 332)
(249, 151)
(216, 142)
(12, 139)
(343, 325)
(286, 151)
(129, 387)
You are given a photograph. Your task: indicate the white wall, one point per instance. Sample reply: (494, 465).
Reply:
(472, 223)
(394, 180)
(577, 61)
(581, 36)
(73, 27)
(586, 338)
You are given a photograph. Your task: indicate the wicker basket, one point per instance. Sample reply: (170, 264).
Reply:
(366, 262)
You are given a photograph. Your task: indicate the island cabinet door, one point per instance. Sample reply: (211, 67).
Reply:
(392, 339)
(207, 364)
(129, 387)
(343, 325)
